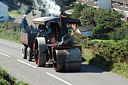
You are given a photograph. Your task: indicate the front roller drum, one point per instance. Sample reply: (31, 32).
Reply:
(40, 52)
(68, 60)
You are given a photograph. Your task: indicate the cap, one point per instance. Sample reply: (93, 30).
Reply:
(24, 15)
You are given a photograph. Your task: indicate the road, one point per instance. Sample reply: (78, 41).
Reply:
(11, 60)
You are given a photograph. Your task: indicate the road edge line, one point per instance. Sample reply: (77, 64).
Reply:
(26, 63)
(4, 54)
(58, 78)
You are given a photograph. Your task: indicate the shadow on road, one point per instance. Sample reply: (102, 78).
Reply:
(85, 68)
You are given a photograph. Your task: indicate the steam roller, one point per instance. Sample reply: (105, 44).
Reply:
(53, 44)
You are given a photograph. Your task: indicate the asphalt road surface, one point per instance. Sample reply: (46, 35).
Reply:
(11, 60)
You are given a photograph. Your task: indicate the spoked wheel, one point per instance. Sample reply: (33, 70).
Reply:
(29, 52)
(24, 51)
(40, 52)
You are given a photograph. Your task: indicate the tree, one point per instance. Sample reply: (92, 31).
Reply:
(87, 16)
(105, 23)
(119, 33)
(77, 10)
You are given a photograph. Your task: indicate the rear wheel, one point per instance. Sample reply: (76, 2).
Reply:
(24, 51)
(40, 52)
(29, 52)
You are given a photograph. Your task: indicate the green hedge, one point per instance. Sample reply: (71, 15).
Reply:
(109, 55)
(10, 31)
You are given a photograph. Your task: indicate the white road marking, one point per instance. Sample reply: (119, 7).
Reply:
(59, 78)
(4, 54)
(26, 63)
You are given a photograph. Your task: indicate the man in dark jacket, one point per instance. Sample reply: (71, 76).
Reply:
(24, 22)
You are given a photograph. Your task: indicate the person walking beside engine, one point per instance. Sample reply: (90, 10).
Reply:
(24, 22)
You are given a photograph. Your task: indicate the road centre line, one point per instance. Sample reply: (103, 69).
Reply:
(59, 78)
(4, 54)
(26, 63)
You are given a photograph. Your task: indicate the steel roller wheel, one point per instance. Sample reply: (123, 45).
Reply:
(67, 60)
(59, 67)
(40, 52)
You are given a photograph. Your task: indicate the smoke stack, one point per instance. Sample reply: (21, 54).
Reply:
(63, 23)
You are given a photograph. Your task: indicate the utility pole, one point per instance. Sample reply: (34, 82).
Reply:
(111, 6)
(124, 6)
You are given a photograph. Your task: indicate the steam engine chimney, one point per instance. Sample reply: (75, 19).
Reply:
(63, 23)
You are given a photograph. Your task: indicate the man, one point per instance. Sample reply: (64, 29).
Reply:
(75, 29)
(24, 22)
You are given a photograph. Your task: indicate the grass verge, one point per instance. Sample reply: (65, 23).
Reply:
(14, 13)
(7, 79)
(109, 55)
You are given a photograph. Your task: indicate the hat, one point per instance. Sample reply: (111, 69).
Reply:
(24, 15)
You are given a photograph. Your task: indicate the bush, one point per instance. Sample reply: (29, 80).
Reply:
(119, 33)
(7, 79)
(106, 54)
(10, 31)
(77, 10)
(106, 22)
(87, 16)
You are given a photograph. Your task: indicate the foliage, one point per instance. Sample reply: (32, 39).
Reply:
(103, 20)
(121, 68)
(109, 55)
(87, 16)
(15, 13)
(77, 10)
(105, 23)
(7, 79)
(10, 31)
(119, 33)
